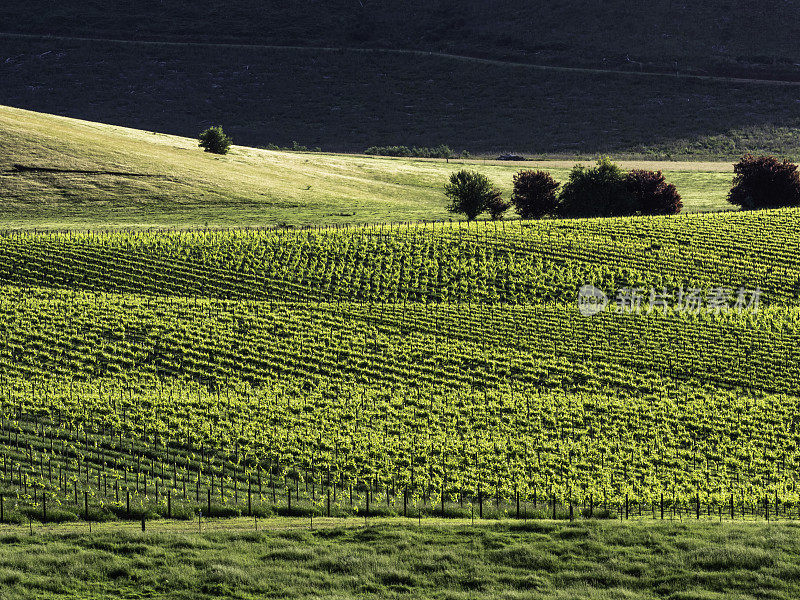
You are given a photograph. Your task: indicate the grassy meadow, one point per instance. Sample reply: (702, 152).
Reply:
(509, 560)
(134, 178)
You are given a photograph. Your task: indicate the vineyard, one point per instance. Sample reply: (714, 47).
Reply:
(451, 263)
(416, 369)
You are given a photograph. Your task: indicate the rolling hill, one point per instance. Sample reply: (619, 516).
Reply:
(86, 175)
(382, 370)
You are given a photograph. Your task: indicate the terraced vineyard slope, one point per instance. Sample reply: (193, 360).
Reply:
(436, 369)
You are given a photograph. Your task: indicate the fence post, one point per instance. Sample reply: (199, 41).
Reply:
(766, 507)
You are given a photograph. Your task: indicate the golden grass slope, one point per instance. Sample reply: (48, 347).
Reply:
(109, 176)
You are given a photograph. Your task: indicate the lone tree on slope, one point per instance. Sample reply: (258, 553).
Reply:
(215, 140)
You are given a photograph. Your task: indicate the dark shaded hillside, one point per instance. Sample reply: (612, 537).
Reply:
(729, 37)
(348, 100)
(364, 90)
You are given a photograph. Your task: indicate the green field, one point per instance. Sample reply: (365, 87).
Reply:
(370, 367)
(167, 181)
(534, 560)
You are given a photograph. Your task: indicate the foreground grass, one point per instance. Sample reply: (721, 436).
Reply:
(118, 177)
(537, 559)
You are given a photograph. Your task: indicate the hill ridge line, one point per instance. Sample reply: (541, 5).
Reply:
(407, 52)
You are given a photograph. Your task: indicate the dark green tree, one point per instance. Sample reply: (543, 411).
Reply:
(496, 205)
(652, 195)
(469, 193)
(598, 191)
(215, 140)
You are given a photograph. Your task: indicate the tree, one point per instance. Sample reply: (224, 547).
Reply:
(496, 205)
(215, 140)
(443, 151)
(534, 194)
(764, 182)
(599, 191)
(469, 193)
(652, 195)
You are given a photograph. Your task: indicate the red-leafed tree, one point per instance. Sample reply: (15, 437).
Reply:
(764, 182)
(651, 194)
(534, 194)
